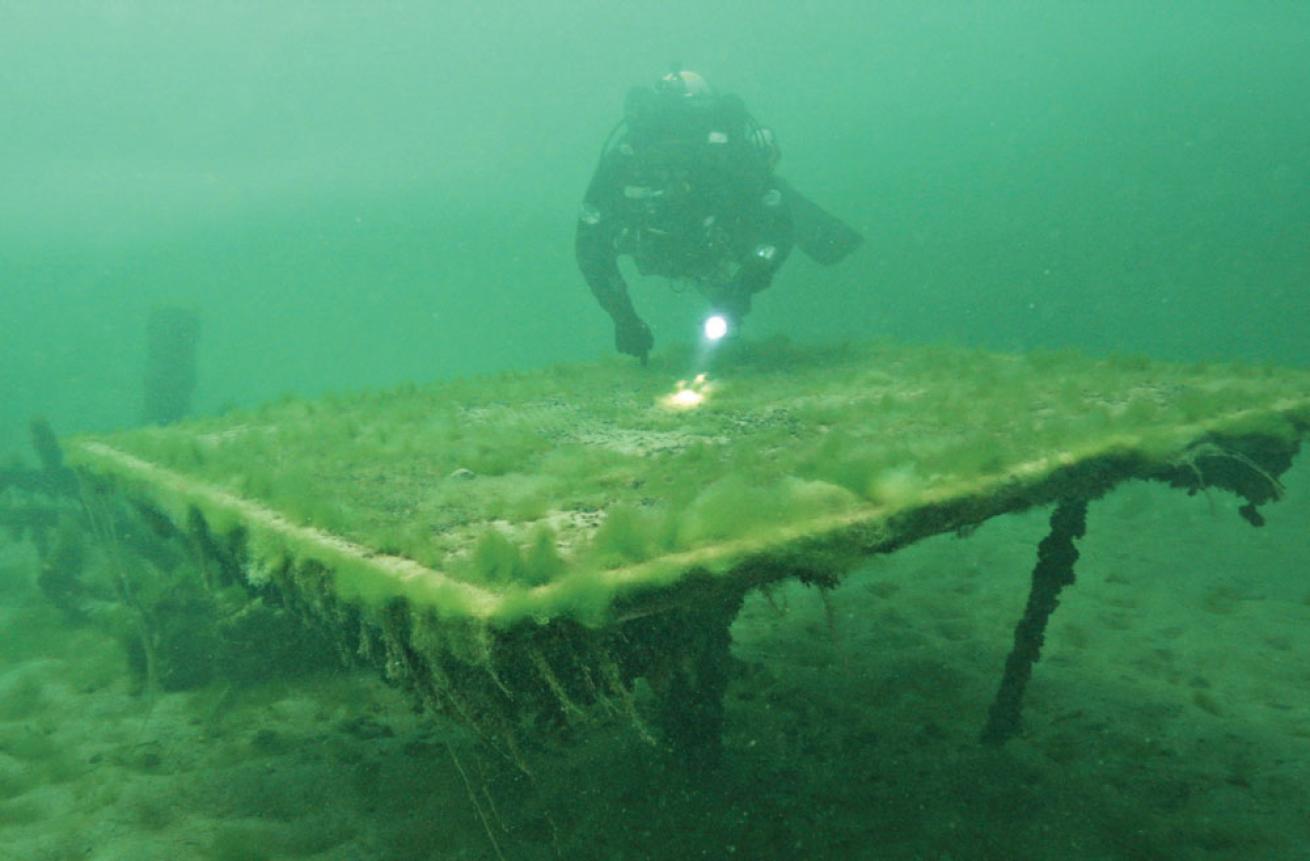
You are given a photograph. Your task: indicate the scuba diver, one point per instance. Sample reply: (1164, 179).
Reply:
(686, 187)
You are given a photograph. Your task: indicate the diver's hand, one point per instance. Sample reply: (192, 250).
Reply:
(732, 302)
(735, 302)
(632, 337)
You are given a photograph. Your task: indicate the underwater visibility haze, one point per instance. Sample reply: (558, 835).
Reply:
(334, 201)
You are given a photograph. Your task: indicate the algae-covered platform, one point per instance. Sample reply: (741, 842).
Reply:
(528, 545)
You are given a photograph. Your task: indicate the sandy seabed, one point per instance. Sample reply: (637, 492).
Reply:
(1169, 718)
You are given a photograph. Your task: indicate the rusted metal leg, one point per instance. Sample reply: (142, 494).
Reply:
(1056, 556)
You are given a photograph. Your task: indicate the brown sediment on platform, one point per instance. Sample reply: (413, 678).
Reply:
(531, 544)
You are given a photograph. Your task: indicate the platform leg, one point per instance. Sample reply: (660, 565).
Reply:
(1056, 555)
(690, 677)
(170, 380)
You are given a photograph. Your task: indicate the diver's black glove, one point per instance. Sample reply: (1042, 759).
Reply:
(632, 337)
(734, 302)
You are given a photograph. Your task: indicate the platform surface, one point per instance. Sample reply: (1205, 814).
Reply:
(573, 491)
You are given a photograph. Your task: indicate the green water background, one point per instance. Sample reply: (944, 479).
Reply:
(354, 194)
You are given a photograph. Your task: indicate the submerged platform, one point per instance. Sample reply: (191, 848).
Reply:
(527, 545)
(573, 491)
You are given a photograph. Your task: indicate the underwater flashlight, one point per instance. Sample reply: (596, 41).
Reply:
(716, 326)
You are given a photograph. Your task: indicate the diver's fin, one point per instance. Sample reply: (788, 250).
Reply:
(823, 237)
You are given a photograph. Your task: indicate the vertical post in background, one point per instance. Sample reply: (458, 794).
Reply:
(170, 379)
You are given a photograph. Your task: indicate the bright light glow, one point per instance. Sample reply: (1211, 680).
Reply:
(716, 327)
(685, 399)
(688, 395)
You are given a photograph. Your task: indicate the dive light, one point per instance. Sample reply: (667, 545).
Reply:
(716, 326)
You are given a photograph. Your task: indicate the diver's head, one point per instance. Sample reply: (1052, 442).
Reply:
(686, 86)
(681, 104)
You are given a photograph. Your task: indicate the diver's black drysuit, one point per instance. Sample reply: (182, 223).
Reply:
(689, 192)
